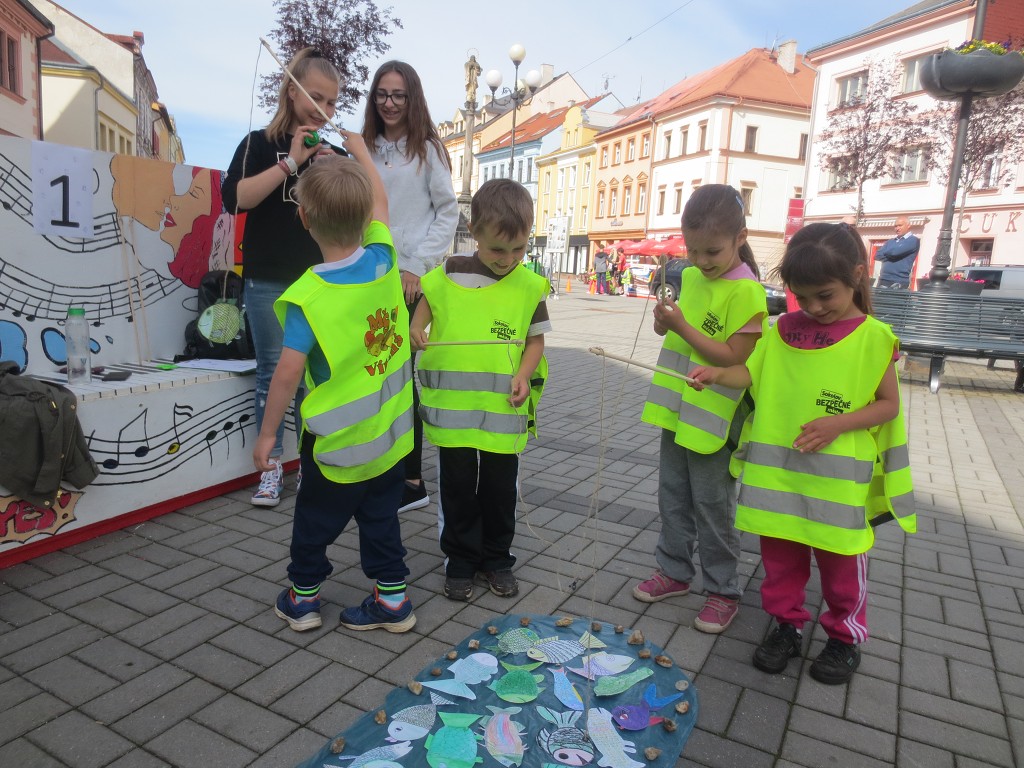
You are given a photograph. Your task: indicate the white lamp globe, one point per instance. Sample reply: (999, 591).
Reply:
(493, 79)
(517, 53)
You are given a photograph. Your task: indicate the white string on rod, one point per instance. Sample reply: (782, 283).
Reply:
(630, 361)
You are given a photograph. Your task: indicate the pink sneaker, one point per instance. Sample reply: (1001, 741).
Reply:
(717, 614)
(658, 587)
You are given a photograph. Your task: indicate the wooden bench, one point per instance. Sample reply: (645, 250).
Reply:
(941, 323)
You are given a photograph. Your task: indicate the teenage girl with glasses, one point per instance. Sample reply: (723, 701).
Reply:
(416, 170)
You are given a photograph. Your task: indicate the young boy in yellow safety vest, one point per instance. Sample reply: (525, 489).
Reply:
(346, 330)
(480, 388)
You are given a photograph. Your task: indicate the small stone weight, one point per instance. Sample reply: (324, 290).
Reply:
(637, 638)
(669, 724)
(682, 685)
(380, 717)
(415, 687)
(565, 621)
(452, 655)
(492, 630)
(663, 661)
(595, 626)
(683, 707)
(644, 653)
(525, 621)
(652, 753)
(435, 672)
(619, 629)
(338, 745)
(474, 644)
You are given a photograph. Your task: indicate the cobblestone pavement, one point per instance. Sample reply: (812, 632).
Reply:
(157, 645)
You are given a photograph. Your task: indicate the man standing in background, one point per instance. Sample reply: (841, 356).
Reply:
(601, 269)
(898, 256)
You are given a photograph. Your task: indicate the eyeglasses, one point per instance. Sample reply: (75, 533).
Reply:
(380, 98)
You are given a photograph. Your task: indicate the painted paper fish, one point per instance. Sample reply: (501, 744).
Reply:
(565, 691)
(566, 744)
(502, 736)
(469, 670)
(615, 684)
(387, 753)
(600, 664)
(517, 685)
(517, 640)
(559, 651)
(454, 745)
(636, 717)
(412, 722)
(613, 748)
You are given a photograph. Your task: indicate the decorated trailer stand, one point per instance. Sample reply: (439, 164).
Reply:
(128, 239)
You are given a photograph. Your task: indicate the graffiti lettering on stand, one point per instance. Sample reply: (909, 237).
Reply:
(20, 520)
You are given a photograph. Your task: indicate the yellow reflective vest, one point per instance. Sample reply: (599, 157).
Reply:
(464, 389)
(717, 308)
(361, 416)
(825, 499)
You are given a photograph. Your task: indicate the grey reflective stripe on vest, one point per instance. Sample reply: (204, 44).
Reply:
(817, 464)
(498, 423)
(680, 363)
(816, 510)
(903, 505)
(896, 458)
(364, 453)
(695, 417)
(359, 410)
(466, 381)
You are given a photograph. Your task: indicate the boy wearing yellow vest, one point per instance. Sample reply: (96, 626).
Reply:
(346, 331)
(477, 400)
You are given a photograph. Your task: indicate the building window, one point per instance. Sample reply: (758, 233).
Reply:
(600, 205)
(667, 146)
(627, 201)
(798, 193)
(801, 153)
(747, 196)
(572, 176)
(991, 171)
(661, 202)
(750, 144)
(584, 211)
(702, 132)
(547, 182)
(529, 169)
(561, 178)
(631, 150)
(604, 156)
(114, 138)
(677, 204)
(646, 150)
(641, 199)
(586, 173)
(851, 90)
(684, 140)
(912, 74)
(618, 154)
(9, 59)
(613, 205)
(839, 175)
(913, 166)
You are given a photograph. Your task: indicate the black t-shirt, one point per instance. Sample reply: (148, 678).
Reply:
(275, 245)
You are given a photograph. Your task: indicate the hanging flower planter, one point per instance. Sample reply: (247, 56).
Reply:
(974, 68)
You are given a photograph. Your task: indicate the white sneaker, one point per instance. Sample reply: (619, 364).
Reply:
(271, 484)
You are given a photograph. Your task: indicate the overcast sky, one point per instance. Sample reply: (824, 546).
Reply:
(203, 54)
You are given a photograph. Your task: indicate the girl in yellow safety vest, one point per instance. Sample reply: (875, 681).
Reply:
(824, 455)
(721, 314)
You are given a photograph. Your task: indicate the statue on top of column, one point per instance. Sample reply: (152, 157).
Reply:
(473, 71)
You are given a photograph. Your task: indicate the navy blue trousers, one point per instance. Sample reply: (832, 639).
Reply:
(323, 509)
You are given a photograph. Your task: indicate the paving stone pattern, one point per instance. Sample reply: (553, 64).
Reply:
(156, 645)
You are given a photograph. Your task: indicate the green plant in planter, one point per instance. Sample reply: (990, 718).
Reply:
(977, 67)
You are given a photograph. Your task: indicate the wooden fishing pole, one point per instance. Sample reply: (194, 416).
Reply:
(629, 361)
(299, 86)
(515, 342)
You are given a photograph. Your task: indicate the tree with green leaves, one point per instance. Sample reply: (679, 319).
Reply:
(346, 32)
(871, 132)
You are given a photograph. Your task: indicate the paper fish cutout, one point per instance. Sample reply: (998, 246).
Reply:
(613, 748)
(469, 670)
(517, 640)
(614, 684)
(565, 691)
(601, 664)
(378, 755)
(559, 651)
(517, 685)
(502, 736)
(454, 745)
(412, 722)
(636, 717)
(566, 744)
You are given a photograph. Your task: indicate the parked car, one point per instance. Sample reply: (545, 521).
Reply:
(666, 281)
(1006, 282)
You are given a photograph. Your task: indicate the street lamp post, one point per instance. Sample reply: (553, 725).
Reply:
(519, 93)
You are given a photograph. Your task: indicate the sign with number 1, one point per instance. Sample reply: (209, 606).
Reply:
(62, 188)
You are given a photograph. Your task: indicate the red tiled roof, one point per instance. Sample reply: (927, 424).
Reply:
(49, 51)
(536, 126)
(754, 76)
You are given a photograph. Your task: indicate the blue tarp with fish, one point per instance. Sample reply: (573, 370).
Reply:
(532, 691)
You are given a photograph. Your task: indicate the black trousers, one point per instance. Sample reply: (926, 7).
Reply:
(323, 509)
(477, 513)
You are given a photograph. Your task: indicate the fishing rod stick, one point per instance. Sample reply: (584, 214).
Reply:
(516, 342)
(629, 361)
(299, 86)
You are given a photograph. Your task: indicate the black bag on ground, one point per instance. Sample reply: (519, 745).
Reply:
(221, 331)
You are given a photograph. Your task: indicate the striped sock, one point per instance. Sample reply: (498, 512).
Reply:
(391, 594)
(305, 594)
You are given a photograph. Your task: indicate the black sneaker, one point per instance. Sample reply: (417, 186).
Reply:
(458, 589)
(414, 497)
(836, 663)
(502, 583)
(775, 651)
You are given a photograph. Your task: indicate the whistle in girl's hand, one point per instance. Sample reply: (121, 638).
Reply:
(312, 140)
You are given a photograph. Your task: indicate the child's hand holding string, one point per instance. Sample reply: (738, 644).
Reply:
(419, 337)
(298, 151)
(668, 317)
(703, 376)
(520, 390)
(818, 434)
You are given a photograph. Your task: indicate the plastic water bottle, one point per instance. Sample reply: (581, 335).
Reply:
(76, 340)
